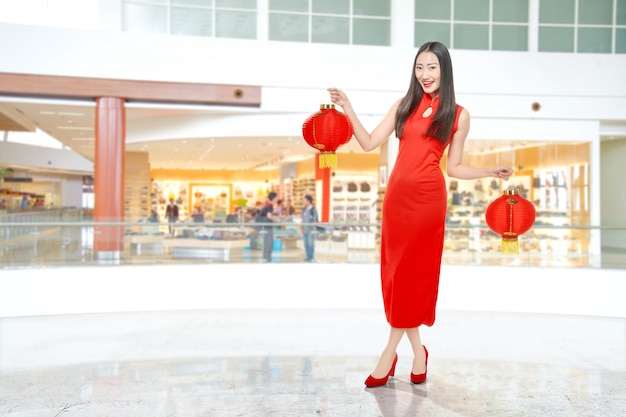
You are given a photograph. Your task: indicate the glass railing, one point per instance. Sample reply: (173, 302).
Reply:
(63, 238)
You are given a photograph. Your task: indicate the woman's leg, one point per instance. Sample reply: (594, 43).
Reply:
(419, 355)
(386, 358)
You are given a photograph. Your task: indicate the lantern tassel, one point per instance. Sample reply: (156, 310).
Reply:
(510, 246)
(328, 160)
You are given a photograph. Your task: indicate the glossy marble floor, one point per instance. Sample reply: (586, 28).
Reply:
(308, 362)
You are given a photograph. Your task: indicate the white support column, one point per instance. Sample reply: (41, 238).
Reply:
(262, 20)
(595, 199)
(71, 191)
(533, 26)
(402, 23)
(110, 14)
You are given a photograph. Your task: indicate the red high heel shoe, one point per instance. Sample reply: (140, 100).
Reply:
(377, 382)
(418, 379)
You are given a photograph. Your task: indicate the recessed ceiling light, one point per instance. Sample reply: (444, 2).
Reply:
(74, 128)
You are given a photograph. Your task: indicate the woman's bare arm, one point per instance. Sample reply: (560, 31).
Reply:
(378, 136)
(455, 166)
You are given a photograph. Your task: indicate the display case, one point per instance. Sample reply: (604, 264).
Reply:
(353, 200)
(137, 187)
(560, 197)
(214, 201)
(299, 187)
(163, 191)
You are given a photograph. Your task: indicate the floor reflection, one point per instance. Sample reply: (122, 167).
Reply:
(307, 386)
(281, 363)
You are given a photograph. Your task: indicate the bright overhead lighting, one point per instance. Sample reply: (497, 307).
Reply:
(296, 158)
(266, 168)
(74, 128)
(209, 108)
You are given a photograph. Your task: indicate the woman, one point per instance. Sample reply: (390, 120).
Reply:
(426, 120)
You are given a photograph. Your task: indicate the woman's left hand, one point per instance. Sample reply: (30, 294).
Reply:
(501, 172)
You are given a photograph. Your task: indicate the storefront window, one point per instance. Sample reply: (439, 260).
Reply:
(557, 11)
(150, 18)
(210, 18)
(583, 26)
(88, 192)
(621, 12)
(481, 25)
(553, 176)
(356, 22)
(595, 12)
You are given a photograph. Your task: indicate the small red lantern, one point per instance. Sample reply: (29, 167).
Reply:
(327, 130)
(510, 215)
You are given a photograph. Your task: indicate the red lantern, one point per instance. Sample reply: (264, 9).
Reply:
(510, 215)
(327, 130)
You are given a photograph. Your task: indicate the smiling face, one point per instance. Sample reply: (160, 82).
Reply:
(428, 73)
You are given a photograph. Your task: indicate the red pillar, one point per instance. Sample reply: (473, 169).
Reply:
(109, 176)
(323, 174)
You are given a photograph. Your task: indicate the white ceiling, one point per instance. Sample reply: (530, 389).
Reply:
(72, 123)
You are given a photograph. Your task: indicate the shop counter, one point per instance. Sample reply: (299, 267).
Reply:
(205, 248)
(283, 240)
(140, 243)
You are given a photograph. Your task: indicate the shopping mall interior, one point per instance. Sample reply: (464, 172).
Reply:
(109, 309)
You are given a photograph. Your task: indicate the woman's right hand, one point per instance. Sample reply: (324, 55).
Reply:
(338, 97)
(501, 172)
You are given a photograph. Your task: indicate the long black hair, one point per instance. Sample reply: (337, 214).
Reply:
(443, 120)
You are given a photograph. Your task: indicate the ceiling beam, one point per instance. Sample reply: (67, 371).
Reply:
(12, 120)
(53, 86)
